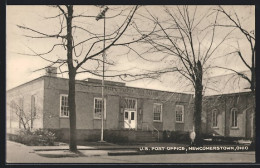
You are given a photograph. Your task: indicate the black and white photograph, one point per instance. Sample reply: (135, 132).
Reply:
(130, 84)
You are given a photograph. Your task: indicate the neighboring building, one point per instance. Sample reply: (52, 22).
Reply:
(229, 107)
(44, 104)
(229, 115)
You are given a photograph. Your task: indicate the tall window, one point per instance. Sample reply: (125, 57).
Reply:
(33, 106)
(179, 111)
(157, 112)
(12, 112)
(21, 112)
(64, 106)
(233, 117)
(33, 109)
(130, 104)
(98, 108)
(214, 118)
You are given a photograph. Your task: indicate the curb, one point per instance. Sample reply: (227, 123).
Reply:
(123, 153)
(120, 148)
(58, 155)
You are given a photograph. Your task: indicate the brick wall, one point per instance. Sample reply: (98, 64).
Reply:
(243, 102)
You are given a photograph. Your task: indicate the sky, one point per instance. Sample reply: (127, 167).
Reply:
(21, 68)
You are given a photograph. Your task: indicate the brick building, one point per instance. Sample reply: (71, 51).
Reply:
(230, 115)
(44, 103)
(229, 108)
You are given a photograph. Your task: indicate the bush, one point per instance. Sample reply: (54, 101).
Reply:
(47, 137)
(39, 137)
(166, 136)
(176, 136)
(115, 137)
(180, 136)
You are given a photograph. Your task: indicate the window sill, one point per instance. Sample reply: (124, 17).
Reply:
(180, 122)
(215, 128)
(65, 117)
(234, 128)
(157, 121)
(98, 118)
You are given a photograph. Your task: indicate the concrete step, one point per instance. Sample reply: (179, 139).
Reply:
(145, 136)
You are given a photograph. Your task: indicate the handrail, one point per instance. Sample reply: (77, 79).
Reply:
(128, 125)
(158, 132)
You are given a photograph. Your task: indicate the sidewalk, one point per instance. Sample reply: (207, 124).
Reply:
(106, 146)
(104, 149)
(19, 153)
(99, 149)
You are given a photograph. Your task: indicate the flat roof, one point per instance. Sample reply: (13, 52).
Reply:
(95, 81)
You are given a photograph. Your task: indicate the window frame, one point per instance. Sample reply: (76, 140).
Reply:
(33, 109)
(13, 112)
(236, 115)
(105, 111)
(21, 110)
(33, 106)
(155, 104)
(182, 107)
(62, 114)
(214, 113)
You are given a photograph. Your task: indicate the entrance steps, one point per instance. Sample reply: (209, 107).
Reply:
(146, 136)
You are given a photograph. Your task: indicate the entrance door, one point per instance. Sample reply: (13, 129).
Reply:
(130, 120)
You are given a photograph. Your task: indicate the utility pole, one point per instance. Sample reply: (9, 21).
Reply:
(101, 15)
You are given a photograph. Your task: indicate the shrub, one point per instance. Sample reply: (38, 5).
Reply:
(47, 137)
(39, 137)
(176, 136)
(180, 136)
(166, 136)
(115, 137)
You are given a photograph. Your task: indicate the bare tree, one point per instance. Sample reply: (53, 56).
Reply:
(235, 22)
(26, 118)
(80, 52)
(187, 46)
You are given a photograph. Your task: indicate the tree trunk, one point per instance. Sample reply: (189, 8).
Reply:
(253, 80)
(72, 76)
(72, 111)
(198, 104)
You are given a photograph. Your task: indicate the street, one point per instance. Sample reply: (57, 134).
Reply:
(18, 153)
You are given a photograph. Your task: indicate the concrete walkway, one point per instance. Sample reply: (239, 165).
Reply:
(107, 146)
(18, 153)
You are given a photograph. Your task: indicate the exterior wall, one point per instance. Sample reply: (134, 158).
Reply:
(47, 91)
(84, 107)
(25, 92)
(244, 102)
(115, 95)
(169, 114)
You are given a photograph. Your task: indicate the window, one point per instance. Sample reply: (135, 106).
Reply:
(179, 111)
(33, 106)
(214, 118)
(233, 117)
(130, 104)
(33, 110)
(98, 108)
(12, 112)
(157, 112)
(21, 113)
(64, 106)
(126, 115)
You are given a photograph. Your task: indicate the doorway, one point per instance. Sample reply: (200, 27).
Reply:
(130, 119)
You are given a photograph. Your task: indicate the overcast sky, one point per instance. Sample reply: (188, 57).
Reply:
(20, 67)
